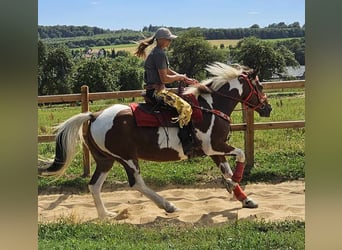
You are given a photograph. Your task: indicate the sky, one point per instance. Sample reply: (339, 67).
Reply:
(136, 14)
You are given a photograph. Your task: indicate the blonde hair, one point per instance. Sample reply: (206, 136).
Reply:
(140, 52)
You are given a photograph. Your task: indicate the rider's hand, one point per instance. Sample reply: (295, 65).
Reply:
(190, 81)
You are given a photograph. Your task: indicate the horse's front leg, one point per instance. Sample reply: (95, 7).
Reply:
(137, 182)
(233, 179)
(223, 149)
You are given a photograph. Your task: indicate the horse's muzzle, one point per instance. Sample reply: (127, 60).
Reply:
(265, 110)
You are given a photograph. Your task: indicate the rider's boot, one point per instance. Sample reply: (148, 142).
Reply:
(189, 140)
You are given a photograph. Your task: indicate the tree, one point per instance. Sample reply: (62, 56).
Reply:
(53, 76)
(99, 74)
(112, 53)
(282, 25)
(123, 53)
(42, 54)
(255, 26)
(297, 46)
(190, 54)
(262, 56)
(130, 72)
(295, 25)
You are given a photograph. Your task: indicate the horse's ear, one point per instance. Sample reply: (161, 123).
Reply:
(257, 71)
(254, 73)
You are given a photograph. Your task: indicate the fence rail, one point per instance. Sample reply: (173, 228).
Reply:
(248, 125)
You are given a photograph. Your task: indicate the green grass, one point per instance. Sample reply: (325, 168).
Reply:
(168, 235)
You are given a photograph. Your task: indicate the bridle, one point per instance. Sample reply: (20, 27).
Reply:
(246, 104)
(246, 101)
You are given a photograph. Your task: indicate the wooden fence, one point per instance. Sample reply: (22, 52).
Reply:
(248, 125)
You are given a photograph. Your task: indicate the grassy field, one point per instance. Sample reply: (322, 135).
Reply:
(234, 235)
(132, 47)
(225, 42)
(279, 156)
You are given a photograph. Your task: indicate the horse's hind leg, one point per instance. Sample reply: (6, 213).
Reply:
(137, 182)
(95, 186)
(233, 179)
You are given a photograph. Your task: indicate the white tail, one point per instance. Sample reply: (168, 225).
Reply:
(67, 138)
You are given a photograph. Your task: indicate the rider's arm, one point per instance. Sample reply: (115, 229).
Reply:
(186, 79)
(169, 76)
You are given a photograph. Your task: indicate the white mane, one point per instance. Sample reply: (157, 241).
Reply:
(222, 74)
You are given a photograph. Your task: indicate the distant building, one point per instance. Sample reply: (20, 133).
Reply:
(291, 73)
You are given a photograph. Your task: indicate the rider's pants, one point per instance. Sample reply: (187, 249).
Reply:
(183, 108)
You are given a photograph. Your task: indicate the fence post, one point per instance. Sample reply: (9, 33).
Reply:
(85, 108)
(248, 118)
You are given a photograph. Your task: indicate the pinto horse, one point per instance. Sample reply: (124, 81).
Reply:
(113, 135)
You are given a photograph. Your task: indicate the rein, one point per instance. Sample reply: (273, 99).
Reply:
(212, 111)
(215, 112)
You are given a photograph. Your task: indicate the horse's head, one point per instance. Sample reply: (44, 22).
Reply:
(253, 95)
(237, 83)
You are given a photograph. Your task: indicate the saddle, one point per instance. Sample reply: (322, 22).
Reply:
(159, 115)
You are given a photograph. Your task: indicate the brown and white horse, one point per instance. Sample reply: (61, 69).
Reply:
(113, 135)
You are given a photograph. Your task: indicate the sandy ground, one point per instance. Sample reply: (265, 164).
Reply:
(284, 201)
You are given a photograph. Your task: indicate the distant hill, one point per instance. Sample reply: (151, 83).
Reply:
(83, 36)
(63, 31)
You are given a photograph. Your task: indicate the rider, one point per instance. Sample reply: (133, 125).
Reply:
(157, 74)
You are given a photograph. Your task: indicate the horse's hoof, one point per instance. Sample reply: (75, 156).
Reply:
(249, 203)
(170, 208)
(107, 215)
(43, 172)
(111, 214)
(122, 215)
